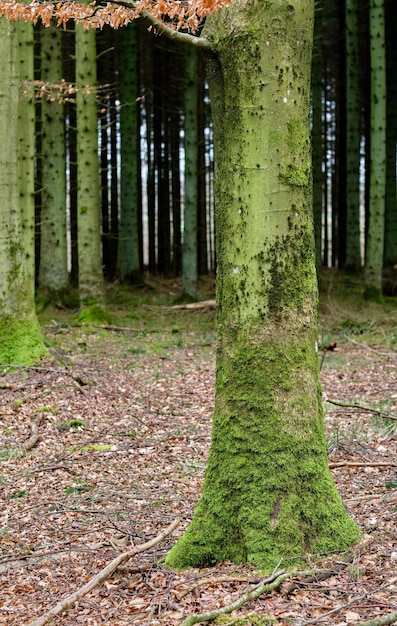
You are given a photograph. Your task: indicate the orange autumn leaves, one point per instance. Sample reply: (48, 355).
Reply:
(177, 15)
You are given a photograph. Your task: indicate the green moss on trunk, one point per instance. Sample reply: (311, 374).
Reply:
(268, 493)
(21, 342)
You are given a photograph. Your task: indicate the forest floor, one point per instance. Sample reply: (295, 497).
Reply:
(105, 444)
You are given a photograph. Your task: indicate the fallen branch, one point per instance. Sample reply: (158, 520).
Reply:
(270, 583)
(360, 407)
(204, 304)
(342, 607)
(103, 575)
(316, 576)
(364, 464)
(382, 620)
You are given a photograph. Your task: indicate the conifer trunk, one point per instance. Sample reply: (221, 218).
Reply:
(268, 493)
(377, 190)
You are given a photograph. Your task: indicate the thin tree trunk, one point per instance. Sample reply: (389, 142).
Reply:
(91, 285)
(375, 246)
(189, 256)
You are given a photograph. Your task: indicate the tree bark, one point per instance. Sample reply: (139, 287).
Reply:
(91, 285)
(20, 337)
(268, 493)
(377, 191)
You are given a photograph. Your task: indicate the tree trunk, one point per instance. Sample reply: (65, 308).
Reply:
(189, 255)
(377, 192)
(268, 493)
(91, 286)
(20, 337)
(128, 251)
(353, 119)
(53, 273)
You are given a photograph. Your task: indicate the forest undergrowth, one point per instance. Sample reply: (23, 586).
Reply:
(104, 445)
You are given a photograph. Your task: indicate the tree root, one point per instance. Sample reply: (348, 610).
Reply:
(103, 575)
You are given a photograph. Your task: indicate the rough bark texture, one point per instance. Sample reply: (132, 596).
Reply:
(268, 493)
(20, 337)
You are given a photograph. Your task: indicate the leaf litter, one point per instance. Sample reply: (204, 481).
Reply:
(124, 425)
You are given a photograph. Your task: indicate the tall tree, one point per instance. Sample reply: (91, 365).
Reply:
(53, 270)
(375, 242)
(91, 285)
(189, 256)
(20, 337)
(353, 136)
(317, 92)
(128, 250)
(268, 493)
(390, 256)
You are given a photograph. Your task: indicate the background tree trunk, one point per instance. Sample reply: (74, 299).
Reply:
(20, 337)
(268, 493)
(189, 257)
(377, 192)
(91, 285)
(53, 272)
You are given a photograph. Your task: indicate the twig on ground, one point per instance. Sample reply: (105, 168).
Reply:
(341, 607)
(266, 585)
(204, 304)
(361, 464)
(360, 407)
(105, 573)
(317, 576)
(119, 329)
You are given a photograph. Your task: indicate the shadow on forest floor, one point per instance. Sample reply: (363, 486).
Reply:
(118, 425)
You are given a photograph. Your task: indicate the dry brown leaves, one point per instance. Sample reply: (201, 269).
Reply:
(124, 435)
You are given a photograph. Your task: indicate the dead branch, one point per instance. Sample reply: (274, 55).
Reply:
(105, 573)
(366, 464)
(318, 575)
(266, 585)
(382, 620)
(342, 607)
(120, 329)
(367, 409)
(204, 304)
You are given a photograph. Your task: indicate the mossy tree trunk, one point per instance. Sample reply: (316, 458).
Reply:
(268, 493)
(53, 270)
(91, 283)
(20, 337)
